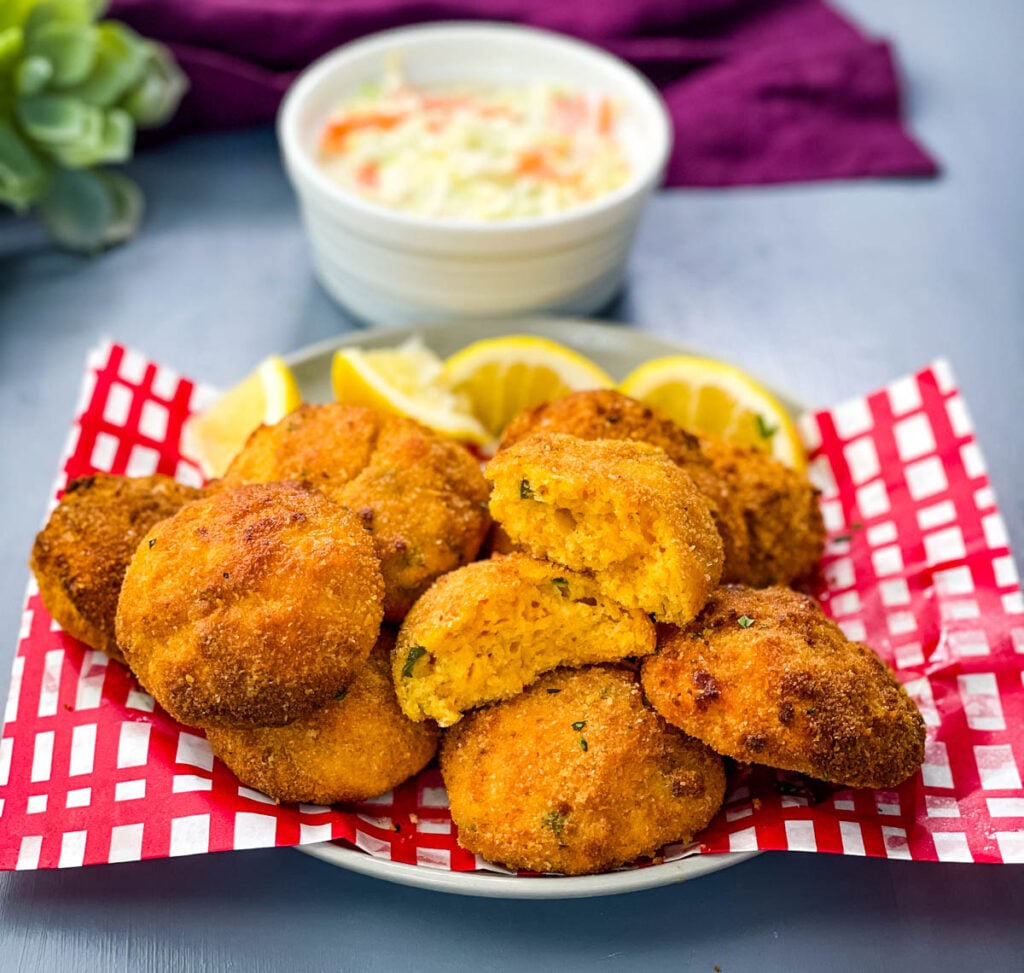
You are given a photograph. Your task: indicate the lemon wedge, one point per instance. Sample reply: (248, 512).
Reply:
(712, 398)
(502, 376)
(406, 381)
(265, 396)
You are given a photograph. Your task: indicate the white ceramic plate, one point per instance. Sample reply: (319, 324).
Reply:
(617, 349)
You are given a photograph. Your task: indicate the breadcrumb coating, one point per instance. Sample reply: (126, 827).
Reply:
(251, 607)
(576, 775)
(764, 677)
(488, 630)
(621, 511)
(420, 496)
(79, 558)
(783, 531)
(355, 747)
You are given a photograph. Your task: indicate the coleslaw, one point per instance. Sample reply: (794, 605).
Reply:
(474, 152)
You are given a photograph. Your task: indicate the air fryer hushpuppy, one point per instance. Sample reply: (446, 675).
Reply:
(251, 607)
(778, 507)
(766, 513)
(576, 775)
(420, 496)
(622, 511)
(486, 631)
(354, 747)
(764, 677)
(79, 558)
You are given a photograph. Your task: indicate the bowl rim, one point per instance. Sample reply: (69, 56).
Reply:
(303, 168)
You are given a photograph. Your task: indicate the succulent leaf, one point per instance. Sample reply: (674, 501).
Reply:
(53, 120)
(153, 100)
(31, 75)
(128, 207)
(69, 47)
(121, 57)
(14, 12)
(44, 12)
(11, 42)
(78, 209)
(23, 176)
(111, 140)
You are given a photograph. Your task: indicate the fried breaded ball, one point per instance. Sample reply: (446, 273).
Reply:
(764, 677)
(622, 511)
(79, 558)
(576, 775)
(251, 607)
(766, 513)
(353, 748)
(484, 632)
(778, 506)
(422, 497)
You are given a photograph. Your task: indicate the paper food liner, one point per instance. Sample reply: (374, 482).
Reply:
(917, 565)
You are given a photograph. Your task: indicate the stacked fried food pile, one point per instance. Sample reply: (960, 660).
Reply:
(321, 613)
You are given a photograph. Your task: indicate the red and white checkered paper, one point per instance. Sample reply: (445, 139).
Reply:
(917, 565)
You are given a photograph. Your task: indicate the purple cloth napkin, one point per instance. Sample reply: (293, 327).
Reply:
(760, 91)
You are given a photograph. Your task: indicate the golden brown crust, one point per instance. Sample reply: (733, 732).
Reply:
(766, 513)
(788, 690)
(422, 497)
(778, 508)
(620, 510)
(252, 607)
(606, 414)
(79, 558)
(488, 630)
(576, 775)
(351, 749)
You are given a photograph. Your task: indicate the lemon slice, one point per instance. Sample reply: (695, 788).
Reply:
(266, 396)
(406, 381)
(712, 398)
(502, 376)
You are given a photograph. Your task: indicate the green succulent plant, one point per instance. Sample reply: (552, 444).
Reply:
(73, 91)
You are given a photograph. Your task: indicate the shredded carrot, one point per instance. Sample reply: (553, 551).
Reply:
(605, 117)
(537, 164)
(568, 112)
(335, 134)
(368, 174)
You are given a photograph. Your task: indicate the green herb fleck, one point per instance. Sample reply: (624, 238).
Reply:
(703, 633)
(554, 821)
(856, 525)
(553, 691)
(415, 653)
(842, 539)
(291, 427)
(764, 430)
(577, 726)
(525, 490)
(812, 711)
(562, 585)
(583, 745)
(341, 695)
(745, 621)
(152, 541)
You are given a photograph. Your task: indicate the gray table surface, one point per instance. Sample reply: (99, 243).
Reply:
(825, 291)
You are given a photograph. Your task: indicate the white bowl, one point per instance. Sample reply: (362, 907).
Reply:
(390, 267)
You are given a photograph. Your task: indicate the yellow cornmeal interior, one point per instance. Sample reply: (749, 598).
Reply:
(648, 549)
(486, 631)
